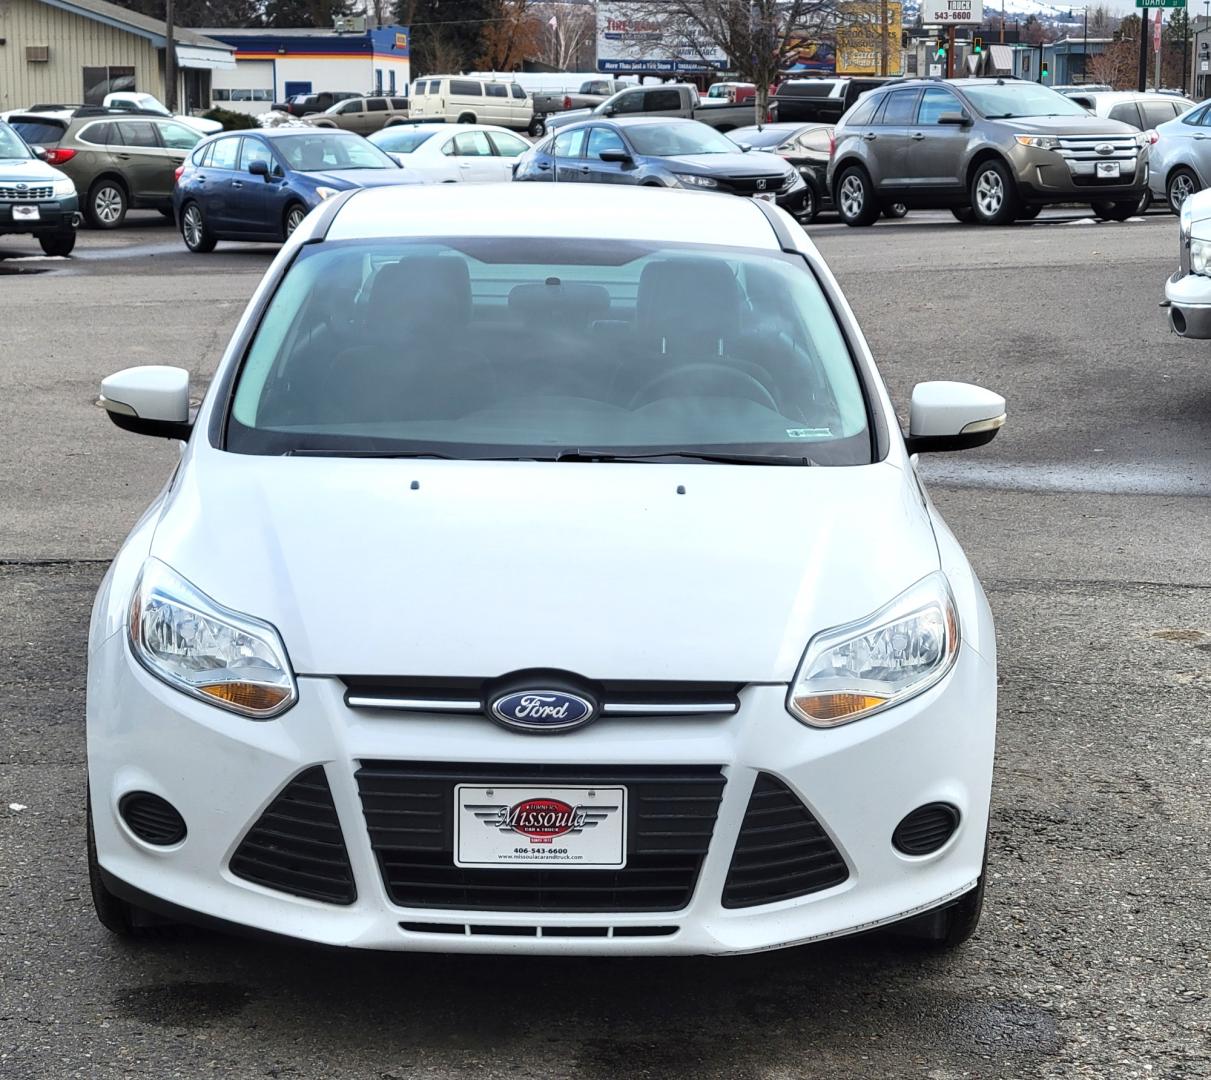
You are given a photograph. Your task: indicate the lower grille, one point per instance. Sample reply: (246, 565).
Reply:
(296, 846)
(409, 809)
(781, 852)
(27, 194)
(152, 819)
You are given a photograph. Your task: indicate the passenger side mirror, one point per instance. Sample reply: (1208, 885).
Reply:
(958, 119)
(151, 400)
(620, 157)
(259, 168)
(952, 416)
(609, 110)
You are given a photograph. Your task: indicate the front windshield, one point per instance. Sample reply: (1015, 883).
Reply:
(534, 348)
(12, 147)
(323, 152)
(674, 140)
(995, 101)
(401, 139)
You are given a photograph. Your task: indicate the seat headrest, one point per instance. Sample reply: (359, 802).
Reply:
(566, 303)
(691, 302)
(423, 289)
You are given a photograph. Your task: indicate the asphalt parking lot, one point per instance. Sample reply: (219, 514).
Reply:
(1086, 519)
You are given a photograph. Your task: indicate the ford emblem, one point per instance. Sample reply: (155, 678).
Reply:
(1104, 149)
(542, 710)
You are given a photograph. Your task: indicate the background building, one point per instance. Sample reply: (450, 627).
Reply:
(77, 51)
(271, 65)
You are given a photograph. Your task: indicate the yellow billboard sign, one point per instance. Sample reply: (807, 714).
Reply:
(859, 40)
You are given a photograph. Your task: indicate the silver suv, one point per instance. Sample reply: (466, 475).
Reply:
(990, 150)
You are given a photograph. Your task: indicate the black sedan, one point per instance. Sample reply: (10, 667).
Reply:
(661, 152)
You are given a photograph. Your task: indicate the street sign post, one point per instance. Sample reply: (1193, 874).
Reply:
(1160, 3)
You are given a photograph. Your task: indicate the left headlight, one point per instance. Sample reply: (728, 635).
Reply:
(691, 180)
(895, 654)
(63, 189)
(196, 645)
(1200, 257)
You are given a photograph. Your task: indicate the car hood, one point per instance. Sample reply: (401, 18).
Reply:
(30, 170)
(1069, 125)
(363, 178)
(754, 163)
(606, 570)
(199, 123)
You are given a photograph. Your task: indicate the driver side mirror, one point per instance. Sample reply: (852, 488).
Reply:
(958, 119)
(620, 157)
(609, 110)
(952, 416)
(39, 152)
(151, 400)
(259, 168)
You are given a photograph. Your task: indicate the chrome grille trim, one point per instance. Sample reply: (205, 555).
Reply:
(28, 194)
(619, 708)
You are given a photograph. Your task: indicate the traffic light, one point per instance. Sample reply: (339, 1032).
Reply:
(1045, 70)
(940, 54)
(977, 46)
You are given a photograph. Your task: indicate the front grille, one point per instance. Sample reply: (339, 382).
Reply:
(8, 193)
(1082, 147)
(296, 846)
(409, 809)
(152, 819)
(781, 851)
(750, 185)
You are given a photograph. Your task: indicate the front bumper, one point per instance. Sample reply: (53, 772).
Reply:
(54, 215)
(222, 772)
(1188, 297)
(1044, 176)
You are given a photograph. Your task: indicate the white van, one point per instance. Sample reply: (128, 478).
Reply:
(460, 99)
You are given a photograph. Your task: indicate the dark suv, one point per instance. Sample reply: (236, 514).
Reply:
(819, 101)
(310, 104)
(990, 150)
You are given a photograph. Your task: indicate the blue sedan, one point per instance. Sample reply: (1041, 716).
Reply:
(260, 185)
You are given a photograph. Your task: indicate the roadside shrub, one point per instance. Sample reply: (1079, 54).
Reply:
(231, 121)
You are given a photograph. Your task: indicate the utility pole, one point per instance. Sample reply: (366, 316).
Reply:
(1156, 41)
(1186, 48)
(882, 36)
(170, 60)
(950, 51)
(1085, 49)
(1002, 22)
(1143, 68)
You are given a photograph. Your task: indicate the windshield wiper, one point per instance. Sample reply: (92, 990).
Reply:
(315, 452)
(609, 456)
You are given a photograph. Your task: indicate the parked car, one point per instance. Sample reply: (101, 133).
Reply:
(1070, 89)
(1181, 157)
(459, 99)
(806, 147)
(309, 104)
(592, 92)
(475, 153)
(148, 103)
(649, 151)
(671, 100)
(777, 726)
(260, 186)
(819, 101)
(35, 198)
(1188, 290)
(991, 150)
(734, 93)
(362, 114)
(118, 160)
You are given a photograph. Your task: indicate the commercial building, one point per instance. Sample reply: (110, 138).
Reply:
(77, 51)
(271, 65)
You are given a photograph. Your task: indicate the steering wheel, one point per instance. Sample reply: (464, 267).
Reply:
(717, 379)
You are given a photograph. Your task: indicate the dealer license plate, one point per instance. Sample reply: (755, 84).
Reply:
(551, 827)
(26, 213)
(1107, 168)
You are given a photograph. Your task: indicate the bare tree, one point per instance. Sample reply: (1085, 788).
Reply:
(759, 36)
(1116, 67)
(570, 31)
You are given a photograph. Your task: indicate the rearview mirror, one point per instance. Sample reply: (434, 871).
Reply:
(259, 168)
(151, 400)
(619, 156)
(958, 119)
(952, 416)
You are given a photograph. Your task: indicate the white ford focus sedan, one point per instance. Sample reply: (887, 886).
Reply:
(543, 574)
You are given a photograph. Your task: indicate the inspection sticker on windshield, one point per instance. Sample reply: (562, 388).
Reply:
(808, 432)
(552, 827)
(26, 213)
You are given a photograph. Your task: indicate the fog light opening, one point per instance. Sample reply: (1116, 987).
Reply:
(152, 819)
(926, 829)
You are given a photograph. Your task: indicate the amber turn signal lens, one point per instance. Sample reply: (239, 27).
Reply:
(828, 707)
(248, 696)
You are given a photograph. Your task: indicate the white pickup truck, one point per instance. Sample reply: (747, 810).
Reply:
(129, 99)
(671, 99)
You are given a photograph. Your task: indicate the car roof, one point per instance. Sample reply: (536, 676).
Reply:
(528, 210)
(291, 129)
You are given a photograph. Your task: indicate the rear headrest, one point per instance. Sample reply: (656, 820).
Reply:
(566, 303)
(423, 289)
(688, 300)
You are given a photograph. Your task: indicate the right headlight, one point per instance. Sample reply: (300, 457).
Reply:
(895, 654)
(694, 180)
(203, 649)
(1200, 257)
(1039, 142)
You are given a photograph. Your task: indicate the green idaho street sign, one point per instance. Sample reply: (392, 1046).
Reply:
(1160, 3)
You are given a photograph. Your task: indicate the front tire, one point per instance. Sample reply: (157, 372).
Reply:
(198, 238)
(115, 914)
(106, 205)
(58, 243)
(947, 927)
(1182, 183)
(895, 210)
(1029, 213)
(538, 127)
(809, 210)
(965, 215)
(855, 198)
(994, 194)
(295, 213)
(1115, 211)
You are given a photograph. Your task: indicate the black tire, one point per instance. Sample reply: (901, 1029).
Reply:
(538, 127)
(194, 231)
(964, 214)
(58, 243)
(1145, 203)
(292, 219)
(946, 927)
(855, 197)
(1182, 183)
(107, 203)
(467, 118)
(166, 212)
(1029, 213)
(810, 208)
(115, 914)
(895, 210)
(1115, 211)
(994, 193)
